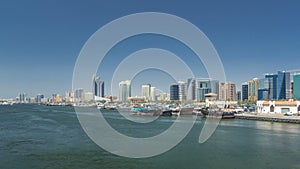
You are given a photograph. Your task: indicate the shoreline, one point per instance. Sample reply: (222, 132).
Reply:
(270, 118)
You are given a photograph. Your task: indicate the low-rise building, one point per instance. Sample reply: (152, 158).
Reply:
(278, 107)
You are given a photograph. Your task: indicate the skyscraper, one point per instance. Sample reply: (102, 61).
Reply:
(272, 81)
(198, 87)
(39, 98)
(78, 95)
(22, 97)
(214, 84)
(293, 73)
(191, 89)
(124, 90)
(263, 90)
(296, 86)
(284, 85)
(227, 91)
(203, 87)
(253, 89)
(263, 94)
(182, 90)
(146, 91)
(174, 92)
(98, 87)
(238, 95)
(245, 87)
(153, 93)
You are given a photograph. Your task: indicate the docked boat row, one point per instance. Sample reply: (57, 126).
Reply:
(211, 108)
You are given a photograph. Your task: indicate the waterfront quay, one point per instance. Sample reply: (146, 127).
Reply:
(270, 117)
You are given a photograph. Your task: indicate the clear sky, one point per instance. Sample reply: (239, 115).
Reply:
(40, 40)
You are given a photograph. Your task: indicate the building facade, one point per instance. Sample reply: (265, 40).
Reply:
(296, 86)
(198, 87)
(153, 93)
(174, 92)
(191, 89)
(245, 87)
(278, 107)
(238, 95)
(182, 90)
(98, 87)
(284, 89)
(39, 98)
(253, 89)
(272, 85)
(263, 94)
(146, 91)
(124, 90)
(78, 95)
(203, 86)
(227, 91)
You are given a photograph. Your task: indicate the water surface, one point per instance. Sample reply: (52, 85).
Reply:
(37, 136)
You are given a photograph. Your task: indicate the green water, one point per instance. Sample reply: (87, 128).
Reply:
(36, 136)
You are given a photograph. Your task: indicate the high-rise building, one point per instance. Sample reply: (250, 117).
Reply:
(253, 89)
(124, 90)
(293, 73)
(22, 97)
(39, 98)
(98, 87)
(163, 97)
(227, 91)
(272, 85)
(245, 88)
(146, 91)
(79, 95)
(263, 94)
(214, 85)
(263, 90)
(203, 87)
(198, 87)
(191, 89)
(182, 90)
(174, 92)
(296, 87)
(153, 93)
(238, 95)
(292, 86)
(69, 97)
(284, 89)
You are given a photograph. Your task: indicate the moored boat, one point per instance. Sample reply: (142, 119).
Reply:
(166, 113)
(176, 111)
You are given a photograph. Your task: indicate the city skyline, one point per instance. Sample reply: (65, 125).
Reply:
(41, 54)
(281, 86)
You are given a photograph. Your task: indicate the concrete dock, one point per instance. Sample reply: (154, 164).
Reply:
(269, 117)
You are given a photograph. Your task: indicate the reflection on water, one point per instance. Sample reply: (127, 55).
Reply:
(37, 136)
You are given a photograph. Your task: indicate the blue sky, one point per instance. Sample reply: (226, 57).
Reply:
(40, 40)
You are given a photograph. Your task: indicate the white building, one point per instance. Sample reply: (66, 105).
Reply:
(152, 94)
(88, 96)
(146, 91)
(124, 90)
(163, 97)
(278, 107)
(182, 90)
(99, 99)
